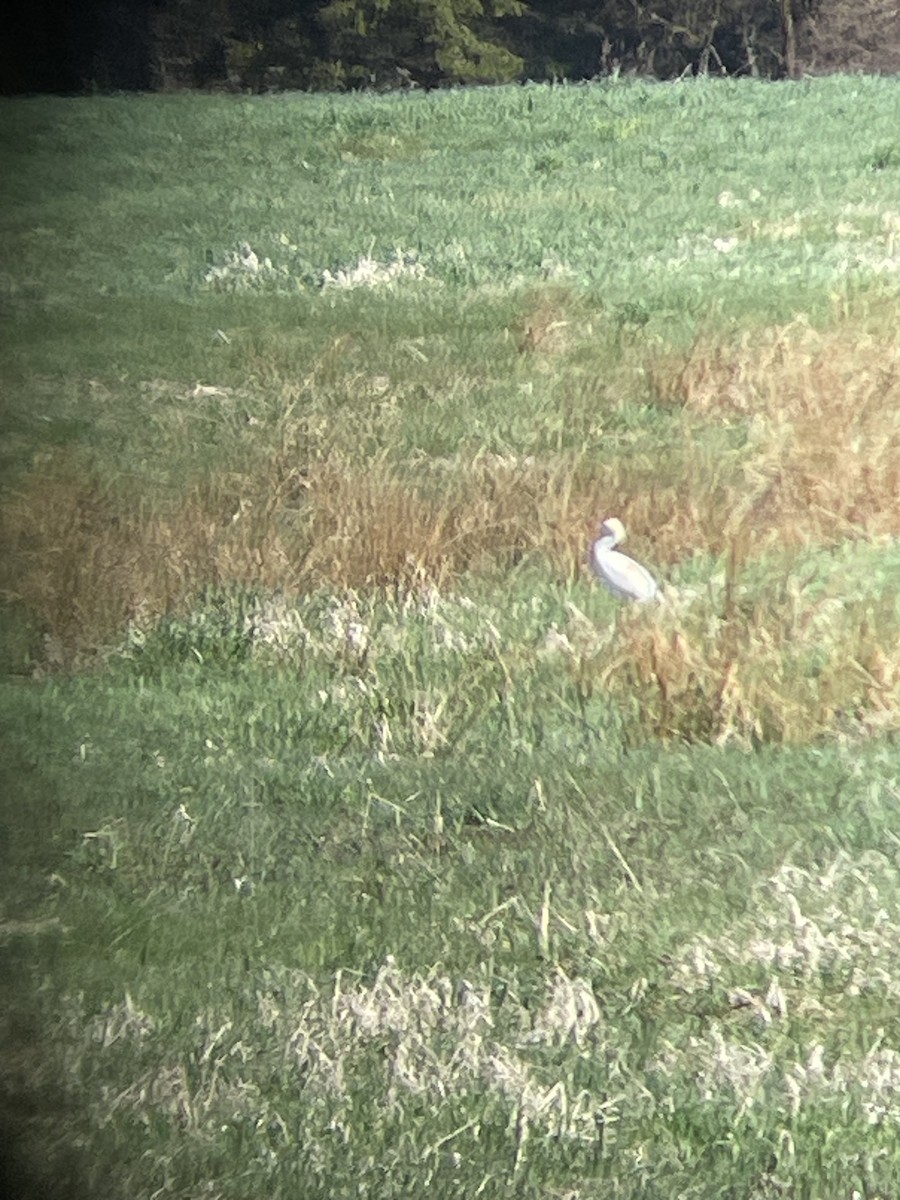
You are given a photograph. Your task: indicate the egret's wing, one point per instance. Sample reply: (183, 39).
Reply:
(623, 576)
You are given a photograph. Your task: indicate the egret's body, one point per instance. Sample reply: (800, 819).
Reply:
(624, 577)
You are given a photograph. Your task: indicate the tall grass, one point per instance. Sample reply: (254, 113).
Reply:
(297, 507)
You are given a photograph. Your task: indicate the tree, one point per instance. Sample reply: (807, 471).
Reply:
(664, 38)
(426, 42)
(849, 35)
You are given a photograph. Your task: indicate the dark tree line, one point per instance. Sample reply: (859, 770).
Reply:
(55, 45)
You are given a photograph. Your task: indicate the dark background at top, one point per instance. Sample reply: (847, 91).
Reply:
(53, 45)
(77, 46)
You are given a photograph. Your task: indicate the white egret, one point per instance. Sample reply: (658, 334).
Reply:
(624, 577)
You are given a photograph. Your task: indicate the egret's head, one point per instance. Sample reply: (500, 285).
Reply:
(613, 526)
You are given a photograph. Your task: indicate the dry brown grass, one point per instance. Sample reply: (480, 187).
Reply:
(85, 550)
(785, 669)
(546, 323)
(823, 410)
(86, 554)
(368, 524)
(822, 463)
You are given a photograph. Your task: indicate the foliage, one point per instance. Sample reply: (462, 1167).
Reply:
(341, 44)
(387, 41)
(664, 39)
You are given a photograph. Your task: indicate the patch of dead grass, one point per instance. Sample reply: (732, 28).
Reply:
(86, 551)
(782, 669)
(823, 411)
(545, 326)
(86, 554)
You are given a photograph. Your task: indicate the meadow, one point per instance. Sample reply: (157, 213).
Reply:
(356, 842)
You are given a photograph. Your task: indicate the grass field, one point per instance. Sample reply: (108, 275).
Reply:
(356, 842)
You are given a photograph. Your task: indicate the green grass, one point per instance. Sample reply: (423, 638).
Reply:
(356, 842)
(253, 944)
